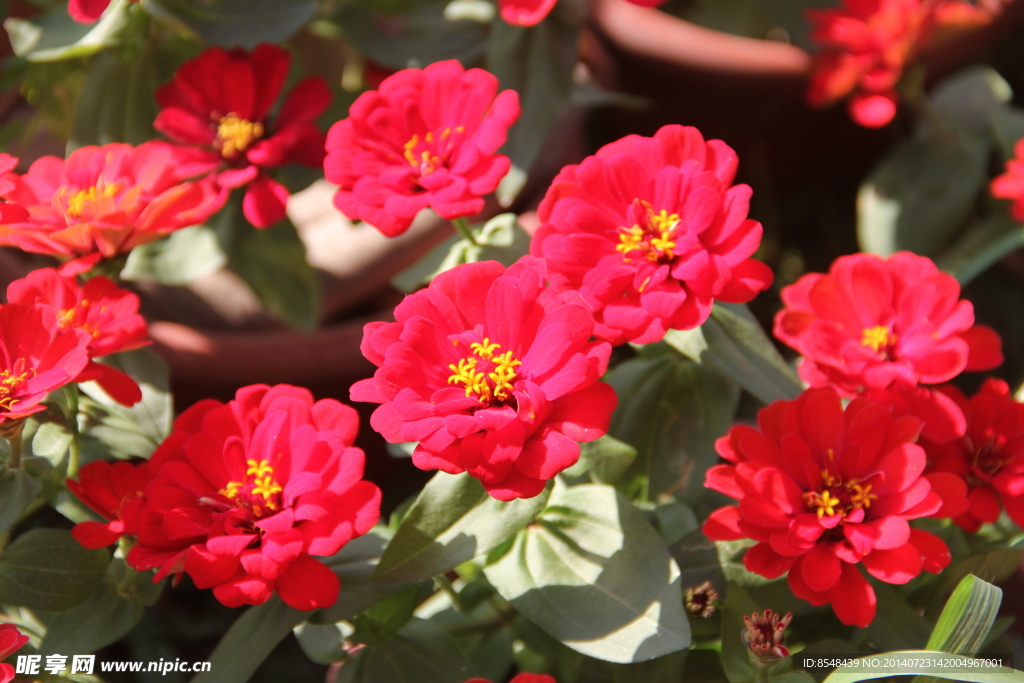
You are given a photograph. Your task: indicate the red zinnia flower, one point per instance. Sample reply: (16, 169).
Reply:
(37, 356)
(493, 373)
(110, 316)
(244, 494)
(866, 45)
(426, 137)
(1010, 185)
(822, 490)
(651, 231)
(989, 457)
(222, 99)
(103, 201)
(114, 491)
(872, 320)
(11, 639)
(88, 11)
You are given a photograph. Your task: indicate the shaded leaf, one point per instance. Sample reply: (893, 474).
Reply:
(244, 23)
(354, 564)
(422, 652)
(605, 460)
(967, 99)
(46, 569)
(735, 657)
(594, 574)
(54, 35)
(983, 245)
(896, 624)
(17, 490)
(452, 520)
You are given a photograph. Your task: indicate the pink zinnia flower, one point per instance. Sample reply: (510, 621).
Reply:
(493, 374)
(651, 231)
(11, 639)
(1010, 185)
(425, 138)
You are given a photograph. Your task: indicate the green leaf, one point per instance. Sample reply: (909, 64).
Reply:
(605, 459)
(452, 520)
(181, 258)
(1007, 125)
(499, 239)
(378, 624)
(99, 621)
(249, 641)
(422, 652)
(732, 343)
(537, 62)
(108, 428)
(863, 670)
(17, 490)
(920, 194)
(735, 660)
(273, 263)
(354, 564)
(323, 643)
(992, 565)
(244, 23)
(897, 624)
(967, 99)
(671, 410)
(46, 569)
(593, 574)
(49, 440)
(966, 620)
(55, 35)
(983, 245)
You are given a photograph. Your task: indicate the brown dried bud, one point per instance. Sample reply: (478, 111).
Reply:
(700, 600)
(765, 636)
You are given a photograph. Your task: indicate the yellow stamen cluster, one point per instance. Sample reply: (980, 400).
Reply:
(263, 484)
(426, 161)
(827, 503)
(82, 198)
(487, 386)
(9, 383)
(235, 134)
(877, 338)
(653, 241)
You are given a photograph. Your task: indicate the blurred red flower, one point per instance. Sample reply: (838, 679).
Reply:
(11, 639)
(38, 356)
(244, 494)
(221, 100)
(867, 43)
(493, 373)
(989, 457)
(103, 201)
(424, 138)
(872, 320)
(88, 11)
(109, 315)
(821, 490)
(532, 12)
(651, 231)
(1010, 185)
(115, 492)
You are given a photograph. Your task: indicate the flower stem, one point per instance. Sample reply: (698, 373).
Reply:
(14, 460)
(442, 582)
(462, 225)
(762, 675)
(75, 456)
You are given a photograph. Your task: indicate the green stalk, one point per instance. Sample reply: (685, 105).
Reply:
(462, 225)
(75, 457)
(14, 461)
(442, 582)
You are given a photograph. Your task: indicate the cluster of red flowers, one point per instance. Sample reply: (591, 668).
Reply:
(1010, 185)
(241, 497)
(866, 44)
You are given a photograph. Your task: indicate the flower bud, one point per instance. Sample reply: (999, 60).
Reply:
(765, 637)
(700, 600)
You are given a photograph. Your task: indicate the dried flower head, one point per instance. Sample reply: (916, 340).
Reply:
(700, 600)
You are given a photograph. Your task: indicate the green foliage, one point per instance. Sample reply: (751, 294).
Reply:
(54, 35)
(244, 23)
(108, 428)
(604, 461)
(452, 520)
(17, 490)
(422, 652)
(966, 620)
(249, 640)
(181, 258)
(116, 103)
(46, 569)
(499, 239)
(381, 622)
(671, 410)
(732, 343)
(593, 574)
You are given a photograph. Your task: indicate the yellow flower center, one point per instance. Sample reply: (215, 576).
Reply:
(425, 154)
(11, 380)
(259, 492)
(70, 317)
(654, 240)
(877, 338)
(485, 375)
(81, 199)
(837, 497)
(235, 134)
